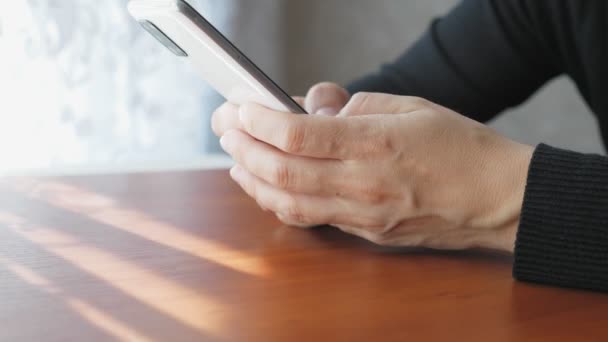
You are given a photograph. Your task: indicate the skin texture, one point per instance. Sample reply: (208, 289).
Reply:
(395, 170)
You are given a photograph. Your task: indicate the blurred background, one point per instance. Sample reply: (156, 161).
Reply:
(85, 90)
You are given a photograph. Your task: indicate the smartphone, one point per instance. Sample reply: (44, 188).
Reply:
(186, 33)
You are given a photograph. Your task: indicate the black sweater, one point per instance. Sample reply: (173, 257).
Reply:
(489, 55)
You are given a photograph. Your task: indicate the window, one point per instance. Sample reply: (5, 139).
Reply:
(82, 85)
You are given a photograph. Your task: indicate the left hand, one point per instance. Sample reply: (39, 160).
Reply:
(397, 171)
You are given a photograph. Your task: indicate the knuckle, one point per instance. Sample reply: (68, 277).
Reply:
(295, 138)
(384, 235)
(420, 102)
(381, 217)
(282, 175)
(335, 144)
(360, 99)
(292, 211)
(386, 143)
(291, 221)
(378, 238)
(372, 192)
(285, 220)
(411, 204)
(376, 198)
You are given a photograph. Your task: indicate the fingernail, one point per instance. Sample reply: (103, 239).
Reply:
(236, 172)
(227, 141)
(233, 172)
(329, 111)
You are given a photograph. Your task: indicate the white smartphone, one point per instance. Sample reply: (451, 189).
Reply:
(186, 33)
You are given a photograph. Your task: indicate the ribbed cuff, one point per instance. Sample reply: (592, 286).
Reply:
(563, 234)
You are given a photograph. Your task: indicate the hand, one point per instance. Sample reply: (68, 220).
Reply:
(397, 171)
(323, 99)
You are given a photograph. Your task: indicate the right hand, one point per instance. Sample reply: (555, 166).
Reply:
(322, 99)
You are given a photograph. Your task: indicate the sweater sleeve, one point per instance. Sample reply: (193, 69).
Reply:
(563, 233)
(481, 58)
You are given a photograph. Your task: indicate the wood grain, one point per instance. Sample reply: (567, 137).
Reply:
(188, 257)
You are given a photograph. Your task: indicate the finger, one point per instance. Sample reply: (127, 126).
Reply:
(326, 99)
(321, 177)
(376, 103)
(287, 221)
(295, 209)
(301, 209)
(225, 118)
(367, 234)
(300, 101)
(316, 136)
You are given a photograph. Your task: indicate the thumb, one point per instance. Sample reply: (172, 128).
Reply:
(326, 99)
(377, 103)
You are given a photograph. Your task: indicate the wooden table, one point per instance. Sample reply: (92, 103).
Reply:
(188, 257)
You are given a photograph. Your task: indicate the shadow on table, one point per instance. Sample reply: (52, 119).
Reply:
(103, 274)
(187, 236)
(48, 295)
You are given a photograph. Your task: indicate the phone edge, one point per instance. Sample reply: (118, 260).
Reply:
(239, 57)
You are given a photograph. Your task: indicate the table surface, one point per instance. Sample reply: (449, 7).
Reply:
(188, 257)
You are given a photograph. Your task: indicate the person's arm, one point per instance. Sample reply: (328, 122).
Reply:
(563, 233)
(486, 56)
(481, 58)
(418, 174)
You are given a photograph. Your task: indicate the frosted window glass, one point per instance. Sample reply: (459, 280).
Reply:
(81, 83)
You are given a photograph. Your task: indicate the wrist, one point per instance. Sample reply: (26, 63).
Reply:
(518, 178)
(510, 190)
